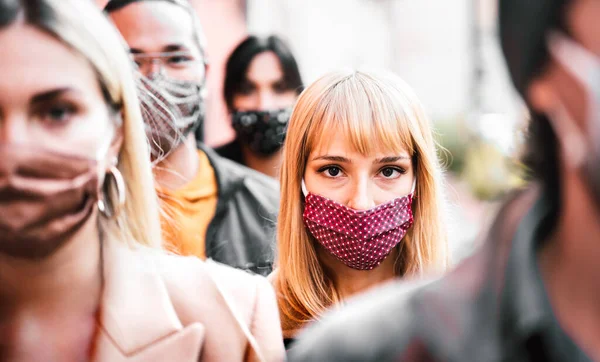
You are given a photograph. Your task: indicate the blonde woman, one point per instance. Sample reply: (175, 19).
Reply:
(81, 274)
(361, 194)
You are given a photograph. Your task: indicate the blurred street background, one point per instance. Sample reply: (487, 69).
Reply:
(447, 50)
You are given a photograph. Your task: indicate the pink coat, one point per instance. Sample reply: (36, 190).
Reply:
(159, 307)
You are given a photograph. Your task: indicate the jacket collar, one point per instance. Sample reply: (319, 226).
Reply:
(138, 320)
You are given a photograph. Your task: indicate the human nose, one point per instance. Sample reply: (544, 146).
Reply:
(151, 67)
(13, 129)
(361, 197)
(265, 101)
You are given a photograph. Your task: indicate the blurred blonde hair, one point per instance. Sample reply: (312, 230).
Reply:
(376, 112)
(82, 26)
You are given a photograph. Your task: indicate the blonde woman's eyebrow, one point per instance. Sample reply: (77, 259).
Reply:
(392, 159)
(340, 159)
(53, 94)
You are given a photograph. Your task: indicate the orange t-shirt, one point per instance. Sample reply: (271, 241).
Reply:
(188, 211)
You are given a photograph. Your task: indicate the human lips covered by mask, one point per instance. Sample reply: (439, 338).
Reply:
(45, 197)
(262, 131)
(171, 110)
(361, 239)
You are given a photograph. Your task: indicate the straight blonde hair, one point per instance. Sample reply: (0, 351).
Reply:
(82, 26)
(376, 112)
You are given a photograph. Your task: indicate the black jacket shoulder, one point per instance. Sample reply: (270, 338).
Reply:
(242, 232)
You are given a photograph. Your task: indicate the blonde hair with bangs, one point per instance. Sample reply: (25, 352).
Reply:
(77, 24)
(375, 111)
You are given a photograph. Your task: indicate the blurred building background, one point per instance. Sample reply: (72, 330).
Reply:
(447, 50)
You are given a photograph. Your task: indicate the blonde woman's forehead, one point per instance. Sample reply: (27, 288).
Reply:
(367, 137)
(44, 65)
(336, 144)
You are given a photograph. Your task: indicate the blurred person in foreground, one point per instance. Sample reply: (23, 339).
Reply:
(213, 207)
(82, 275)
(532, 292)
(362, 195)
(262, 82)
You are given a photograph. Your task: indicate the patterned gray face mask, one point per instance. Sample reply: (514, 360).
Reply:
(171, 110)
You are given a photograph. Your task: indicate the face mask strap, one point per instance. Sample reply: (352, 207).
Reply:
(575, 58)
(585, 67)
(304, 190)
(103, 150)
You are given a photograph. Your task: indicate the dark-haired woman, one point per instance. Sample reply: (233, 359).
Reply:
(262, 82)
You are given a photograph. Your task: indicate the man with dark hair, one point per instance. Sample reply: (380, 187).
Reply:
(531, 293)
(212, 207)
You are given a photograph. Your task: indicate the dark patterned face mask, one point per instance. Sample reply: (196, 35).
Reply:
(171, 110)
(262, 131)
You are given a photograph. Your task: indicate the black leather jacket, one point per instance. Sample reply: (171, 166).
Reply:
(242, 232)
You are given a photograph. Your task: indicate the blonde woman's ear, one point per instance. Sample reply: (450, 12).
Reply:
(115, 147)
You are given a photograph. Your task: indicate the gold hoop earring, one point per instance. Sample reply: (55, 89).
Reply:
(120, 183)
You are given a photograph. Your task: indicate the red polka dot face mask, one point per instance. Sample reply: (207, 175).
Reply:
(360, 239)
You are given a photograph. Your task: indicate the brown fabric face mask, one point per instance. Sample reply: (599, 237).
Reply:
(45, 197)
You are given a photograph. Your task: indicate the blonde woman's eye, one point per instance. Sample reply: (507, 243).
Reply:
(392, 172)
(57, 113)
(331, 171)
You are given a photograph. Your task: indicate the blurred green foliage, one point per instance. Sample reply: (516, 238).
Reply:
(486, 169)
(452, 136)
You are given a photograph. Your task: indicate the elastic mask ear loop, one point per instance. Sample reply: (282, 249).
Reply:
(304, 190)
(585, 67)
(578, 60)
(414, 186)
(103, 150)
(580, 63)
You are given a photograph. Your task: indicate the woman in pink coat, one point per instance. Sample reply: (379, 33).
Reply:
(82, 276)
